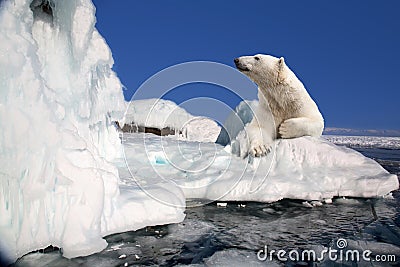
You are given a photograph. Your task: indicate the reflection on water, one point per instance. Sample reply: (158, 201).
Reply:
(288, 224)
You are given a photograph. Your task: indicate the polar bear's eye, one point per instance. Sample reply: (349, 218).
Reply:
(257, 58)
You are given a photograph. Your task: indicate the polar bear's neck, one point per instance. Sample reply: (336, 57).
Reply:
(282, 99)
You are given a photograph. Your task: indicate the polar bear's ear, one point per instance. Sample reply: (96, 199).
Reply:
(281, 70)
(281, 61)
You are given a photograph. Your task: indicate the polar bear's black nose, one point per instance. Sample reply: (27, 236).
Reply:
(240, 66)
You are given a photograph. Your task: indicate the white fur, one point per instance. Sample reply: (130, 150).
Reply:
(285, 109)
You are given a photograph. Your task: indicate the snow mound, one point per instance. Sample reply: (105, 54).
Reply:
(201, 129)
(156, 113)
(58, 98)
(160, 113)
(301, 168)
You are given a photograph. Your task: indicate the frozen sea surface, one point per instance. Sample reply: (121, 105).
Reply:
(231, 235)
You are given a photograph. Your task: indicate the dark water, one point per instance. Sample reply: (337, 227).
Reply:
(247, 227)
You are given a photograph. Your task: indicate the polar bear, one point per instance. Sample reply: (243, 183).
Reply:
(285, 108)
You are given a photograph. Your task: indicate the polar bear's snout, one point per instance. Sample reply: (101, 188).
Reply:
(242, 66)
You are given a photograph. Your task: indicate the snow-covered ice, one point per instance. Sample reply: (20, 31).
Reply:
(365, 141)
(303, 168)
(58, 98)
(160, 113)
(156, 113)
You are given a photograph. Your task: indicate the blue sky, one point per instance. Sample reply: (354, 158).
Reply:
(347, 53)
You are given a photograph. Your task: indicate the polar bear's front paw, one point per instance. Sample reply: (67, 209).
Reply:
(258, 150)
(288, 129)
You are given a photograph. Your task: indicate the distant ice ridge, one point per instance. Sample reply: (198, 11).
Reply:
(360, 132)
(160, 113)
(365, 141)
(58, 98)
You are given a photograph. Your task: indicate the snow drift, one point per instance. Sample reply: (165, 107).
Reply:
(58, 99)
(160, 114)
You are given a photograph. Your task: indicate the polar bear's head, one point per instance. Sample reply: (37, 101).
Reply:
(262, 68)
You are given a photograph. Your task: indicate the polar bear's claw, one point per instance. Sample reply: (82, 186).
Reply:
(260, 150)
(283, 132)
